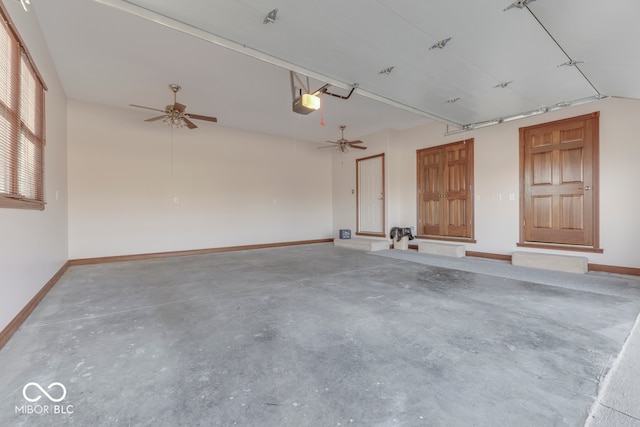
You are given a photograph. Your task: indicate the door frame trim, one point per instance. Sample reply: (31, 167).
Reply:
(384, 198)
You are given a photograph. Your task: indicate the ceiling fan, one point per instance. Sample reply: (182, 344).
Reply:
(175, 115)
(344, 144)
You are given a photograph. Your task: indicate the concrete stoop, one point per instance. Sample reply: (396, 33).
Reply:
(566, 263)
(442, 249)
(363, 244)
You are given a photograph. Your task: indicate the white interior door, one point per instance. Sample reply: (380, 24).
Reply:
(370, 188)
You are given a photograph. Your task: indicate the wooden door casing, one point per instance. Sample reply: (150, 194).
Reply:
(559, 185)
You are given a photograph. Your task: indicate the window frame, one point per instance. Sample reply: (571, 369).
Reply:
(22, 137)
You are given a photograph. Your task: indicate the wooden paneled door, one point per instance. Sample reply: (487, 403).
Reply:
(559, 183)
(445, 196)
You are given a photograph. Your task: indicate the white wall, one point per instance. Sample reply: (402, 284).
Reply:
(496, 172)
(33, 244)
(233, 187)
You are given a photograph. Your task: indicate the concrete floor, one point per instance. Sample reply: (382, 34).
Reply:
(314, 336)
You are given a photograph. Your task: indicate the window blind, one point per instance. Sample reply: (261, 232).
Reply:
(21, 125)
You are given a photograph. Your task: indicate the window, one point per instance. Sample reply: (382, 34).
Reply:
(21, 124)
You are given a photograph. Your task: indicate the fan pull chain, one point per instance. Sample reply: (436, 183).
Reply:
(321, 109)
(171, 154)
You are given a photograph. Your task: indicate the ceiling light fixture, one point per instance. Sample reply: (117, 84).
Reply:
(271, 17)
(503, 84)
(520, 4)
(387, 70)
(303, 102)
(310, 101)
(306, 103)
(441, 44)
(173, 121)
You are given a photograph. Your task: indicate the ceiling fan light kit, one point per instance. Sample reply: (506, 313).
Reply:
(175, 115)
(342, 145)
(173, 121)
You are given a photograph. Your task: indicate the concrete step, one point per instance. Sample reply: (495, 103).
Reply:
(444, 249)
(363, 244)
(570, 264)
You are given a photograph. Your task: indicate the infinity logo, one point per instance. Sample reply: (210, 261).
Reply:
(43, 391)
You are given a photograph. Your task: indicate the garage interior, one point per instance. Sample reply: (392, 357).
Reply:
(193, 274)
(318, 335)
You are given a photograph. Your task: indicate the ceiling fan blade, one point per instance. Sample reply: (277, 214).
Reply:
(199, 117)
(358, 147)
(357, 141)
(326, 146)
(147, 108)
(153, 119)
(333, 142)
(189, 123)
(179, 107)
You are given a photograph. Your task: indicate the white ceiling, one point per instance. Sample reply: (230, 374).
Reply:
(117, 53)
